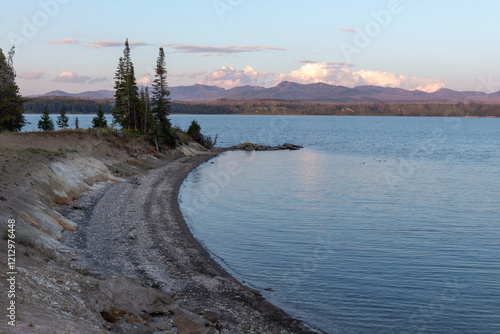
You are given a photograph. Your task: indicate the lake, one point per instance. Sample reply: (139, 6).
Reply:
(379, 225)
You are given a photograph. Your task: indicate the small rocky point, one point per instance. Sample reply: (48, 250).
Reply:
(258, 147)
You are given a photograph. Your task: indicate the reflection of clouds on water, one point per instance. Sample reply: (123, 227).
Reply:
(311, 169)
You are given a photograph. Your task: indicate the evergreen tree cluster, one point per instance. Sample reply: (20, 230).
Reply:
(134, 110)
(11, 101)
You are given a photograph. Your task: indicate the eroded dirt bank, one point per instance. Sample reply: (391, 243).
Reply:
(105, 247)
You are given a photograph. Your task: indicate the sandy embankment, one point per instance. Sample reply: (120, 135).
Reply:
(110, 249)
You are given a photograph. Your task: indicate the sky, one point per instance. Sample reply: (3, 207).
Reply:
(75, 45)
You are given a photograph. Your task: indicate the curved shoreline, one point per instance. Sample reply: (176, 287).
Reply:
(152, 242)
(263, 304)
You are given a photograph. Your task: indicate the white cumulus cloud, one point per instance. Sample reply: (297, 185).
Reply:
(336, 75)
(332, 73)
(229, 77)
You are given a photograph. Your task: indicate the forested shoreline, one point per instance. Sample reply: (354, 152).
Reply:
(73, 105)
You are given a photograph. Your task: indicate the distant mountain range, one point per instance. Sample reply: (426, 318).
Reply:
(97, 94)
(318, 92)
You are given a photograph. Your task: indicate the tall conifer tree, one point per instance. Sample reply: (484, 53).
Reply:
(161, 102)
(11, 101)
(127, 92)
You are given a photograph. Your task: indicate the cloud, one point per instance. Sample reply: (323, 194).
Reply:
(111, 44)
(388, 79)
(185, 48)
(32, 75)
(347, 29)
(144, 81)
(320, 72)
(71, 77)
(308, 61)
(229, 77)
(69, 41)
(340, 74)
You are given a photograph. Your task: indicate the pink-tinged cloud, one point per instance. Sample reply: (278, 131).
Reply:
(340, 74)
(67, 41)
(144, 81)
(229, 77)
(185, 48)
(113, 44)
(32, 75)
(346, 29)
(71, 77)
(332, 73)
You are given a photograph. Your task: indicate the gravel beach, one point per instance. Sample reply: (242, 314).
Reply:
(102, 246)
(135, 229)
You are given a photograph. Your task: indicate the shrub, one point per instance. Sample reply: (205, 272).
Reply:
(194, 132)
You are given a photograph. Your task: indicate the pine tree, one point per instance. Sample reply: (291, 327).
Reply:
(127, 92)
(45, 123)
(100, 121)
(62, 119)
(120, 110)
(161, 102)
(11, 101)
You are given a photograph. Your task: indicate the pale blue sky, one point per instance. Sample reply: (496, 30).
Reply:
(413, 44)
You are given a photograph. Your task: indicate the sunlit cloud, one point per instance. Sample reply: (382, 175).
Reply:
(347, 29)
(32, 75)
(185, 48)
(340, 74)
(71, 77)
(229, 77)
(67, 41)
(333, 73)
(144, 81)
(113, 44)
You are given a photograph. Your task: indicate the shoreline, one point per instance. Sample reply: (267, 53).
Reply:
(169, 249)
(221, 270)
(103, 247)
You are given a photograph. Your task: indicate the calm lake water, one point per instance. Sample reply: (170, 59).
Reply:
(379, 225)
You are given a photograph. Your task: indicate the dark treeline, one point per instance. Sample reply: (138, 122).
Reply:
(209, 108)
(72, 105)
(272, 107)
